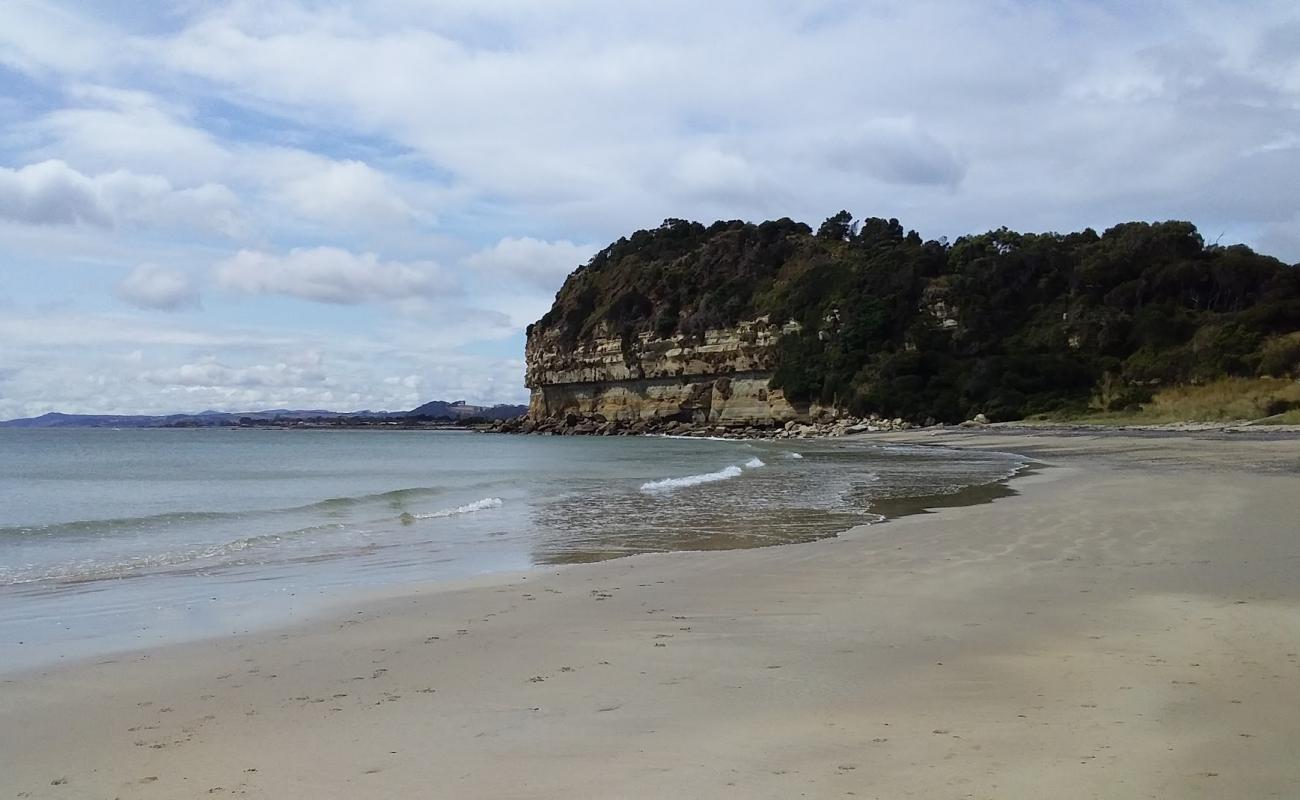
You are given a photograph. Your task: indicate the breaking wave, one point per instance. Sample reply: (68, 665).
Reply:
(754, 463)
(671, 484)
(468, 508)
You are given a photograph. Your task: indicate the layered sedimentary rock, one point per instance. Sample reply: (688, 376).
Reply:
(720, 377)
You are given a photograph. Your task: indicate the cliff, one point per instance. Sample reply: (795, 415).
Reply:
(721, 377)
(757, 324)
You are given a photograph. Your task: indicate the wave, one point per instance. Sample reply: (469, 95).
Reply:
(671, 484)
(796, 455)
(754, 463)
(98, 527)
(468, 508)
(91, 570)
(697, 438)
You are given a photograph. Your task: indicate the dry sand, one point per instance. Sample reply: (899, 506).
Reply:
(1126, 626)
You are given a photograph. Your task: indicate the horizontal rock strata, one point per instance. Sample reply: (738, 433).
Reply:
(721, 378)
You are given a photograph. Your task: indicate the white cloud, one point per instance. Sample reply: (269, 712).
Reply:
(534, 262)
(575, 115)
(53, 193)
(347, 192)
(160, 288)
(332, 275)
(24, 330)
(39, 37)
(101, 363)
(108, 129)
(127, 131)
(210, 374)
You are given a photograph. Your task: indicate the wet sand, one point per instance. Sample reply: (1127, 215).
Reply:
(1127, 624)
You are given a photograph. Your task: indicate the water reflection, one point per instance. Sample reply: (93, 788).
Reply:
(827, 491)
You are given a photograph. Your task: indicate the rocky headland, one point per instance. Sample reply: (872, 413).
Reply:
(774, 330)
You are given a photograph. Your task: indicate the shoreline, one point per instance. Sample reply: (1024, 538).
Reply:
(1002, 648)
(193, 620)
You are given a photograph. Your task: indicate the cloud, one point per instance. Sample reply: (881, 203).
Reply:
(347, 192)
(211, 374)
(715, 174)
(53, 193)
(897, 151)
(332, 275)
(153, 287)
(316, 134)
(129, 363)
(38, 37)
(129, 131)
(102, 128)
(533, 262)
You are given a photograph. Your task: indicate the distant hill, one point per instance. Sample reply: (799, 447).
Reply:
(435, 410)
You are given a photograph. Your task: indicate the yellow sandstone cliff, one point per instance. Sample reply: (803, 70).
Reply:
(720, 378)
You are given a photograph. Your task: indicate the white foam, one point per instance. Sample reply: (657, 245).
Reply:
(694, 438)
(754, 463)
(671, 484)
(468, 508)
(796, 455)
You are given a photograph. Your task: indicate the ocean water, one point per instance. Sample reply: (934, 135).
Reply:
(114, 539)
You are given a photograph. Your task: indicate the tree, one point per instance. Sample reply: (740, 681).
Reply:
(837, 228)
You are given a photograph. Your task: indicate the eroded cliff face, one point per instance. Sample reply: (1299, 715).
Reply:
(721, 378)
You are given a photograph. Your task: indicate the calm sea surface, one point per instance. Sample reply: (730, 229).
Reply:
(112, 539)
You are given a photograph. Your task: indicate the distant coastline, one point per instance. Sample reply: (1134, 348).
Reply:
(436, 413)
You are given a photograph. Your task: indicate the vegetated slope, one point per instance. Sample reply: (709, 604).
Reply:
(1003, 323)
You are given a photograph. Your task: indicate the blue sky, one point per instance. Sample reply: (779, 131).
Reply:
(361, 205)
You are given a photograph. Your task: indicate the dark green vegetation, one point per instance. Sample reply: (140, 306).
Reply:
(1003, 323)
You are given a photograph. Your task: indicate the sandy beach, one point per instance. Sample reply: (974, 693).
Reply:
(1126, 625)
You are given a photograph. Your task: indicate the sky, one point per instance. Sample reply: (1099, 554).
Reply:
(311, 204)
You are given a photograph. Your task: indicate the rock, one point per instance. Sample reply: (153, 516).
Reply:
(980, 419)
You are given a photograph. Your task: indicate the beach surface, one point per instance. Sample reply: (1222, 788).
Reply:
(1126, 625)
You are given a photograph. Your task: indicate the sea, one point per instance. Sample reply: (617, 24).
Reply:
(112, 540)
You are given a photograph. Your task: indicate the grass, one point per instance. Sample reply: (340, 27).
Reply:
(1223, 400)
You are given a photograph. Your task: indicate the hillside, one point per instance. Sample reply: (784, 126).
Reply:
(870, 318)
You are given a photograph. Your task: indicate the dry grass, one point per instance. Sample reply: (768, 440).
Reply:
(1224, 400)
